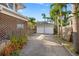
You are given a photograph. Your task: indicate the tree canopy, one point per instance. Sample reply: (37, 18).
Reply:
(59, 12)
(32, 20)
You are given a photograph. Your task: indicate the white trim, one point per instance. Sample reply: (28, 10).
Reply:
(11, 12)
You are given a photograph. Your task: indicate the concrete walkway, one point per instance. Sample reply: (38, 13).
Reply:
(43, 45)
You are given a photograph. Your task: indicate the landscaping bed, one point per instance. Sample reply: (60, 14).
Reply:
(14, 46)
(67, 45)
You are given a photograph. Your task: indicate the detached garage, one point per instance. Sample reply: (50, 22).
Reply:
(45, 28)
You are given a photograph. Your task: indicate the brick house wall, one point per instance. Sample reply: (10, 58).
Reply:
(8, 25)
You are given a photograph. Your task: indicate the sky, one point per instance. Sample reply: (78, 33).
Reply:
(36, 9)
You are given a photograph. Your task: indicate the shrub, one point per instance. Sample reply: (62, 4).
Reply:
(16, 44)
(7, 50)
(15, 53)
(19, 41)
(14, 41)
(22, 40)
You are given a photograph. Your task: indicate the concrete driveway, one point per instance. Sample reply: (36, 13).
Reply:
(43, 45)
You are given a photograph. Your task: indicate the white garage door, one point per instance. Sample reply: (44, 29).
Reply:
(49, 30)
(40, 30)
(46, 30)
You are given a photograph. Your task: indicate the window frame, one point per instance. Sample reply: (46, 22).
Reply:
(20, 26)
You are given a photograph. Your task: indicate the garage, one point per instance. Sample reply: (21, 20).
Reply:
(45, 28)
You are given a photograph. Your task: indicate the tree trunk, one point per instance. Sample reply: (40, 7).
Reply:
(75, 27)
(61, 29)
(57, 26)
(60, 18)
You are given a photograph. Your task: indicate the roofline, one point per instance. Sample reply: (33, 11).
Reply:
(3, 8)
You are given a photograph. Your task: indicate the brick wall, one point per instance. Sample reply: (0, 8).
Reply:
(8, 25)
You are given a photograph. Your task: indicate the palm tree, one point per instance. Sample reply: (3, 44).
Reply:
(32, 22)
(57, 13)
(43, 16)
(53, 15)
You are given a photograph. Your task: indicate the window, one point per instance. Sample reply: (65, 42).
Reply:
(10, 5)
(20, 26)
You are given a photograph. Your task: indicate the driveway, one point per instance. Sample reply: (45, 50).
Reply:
(43, 45)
